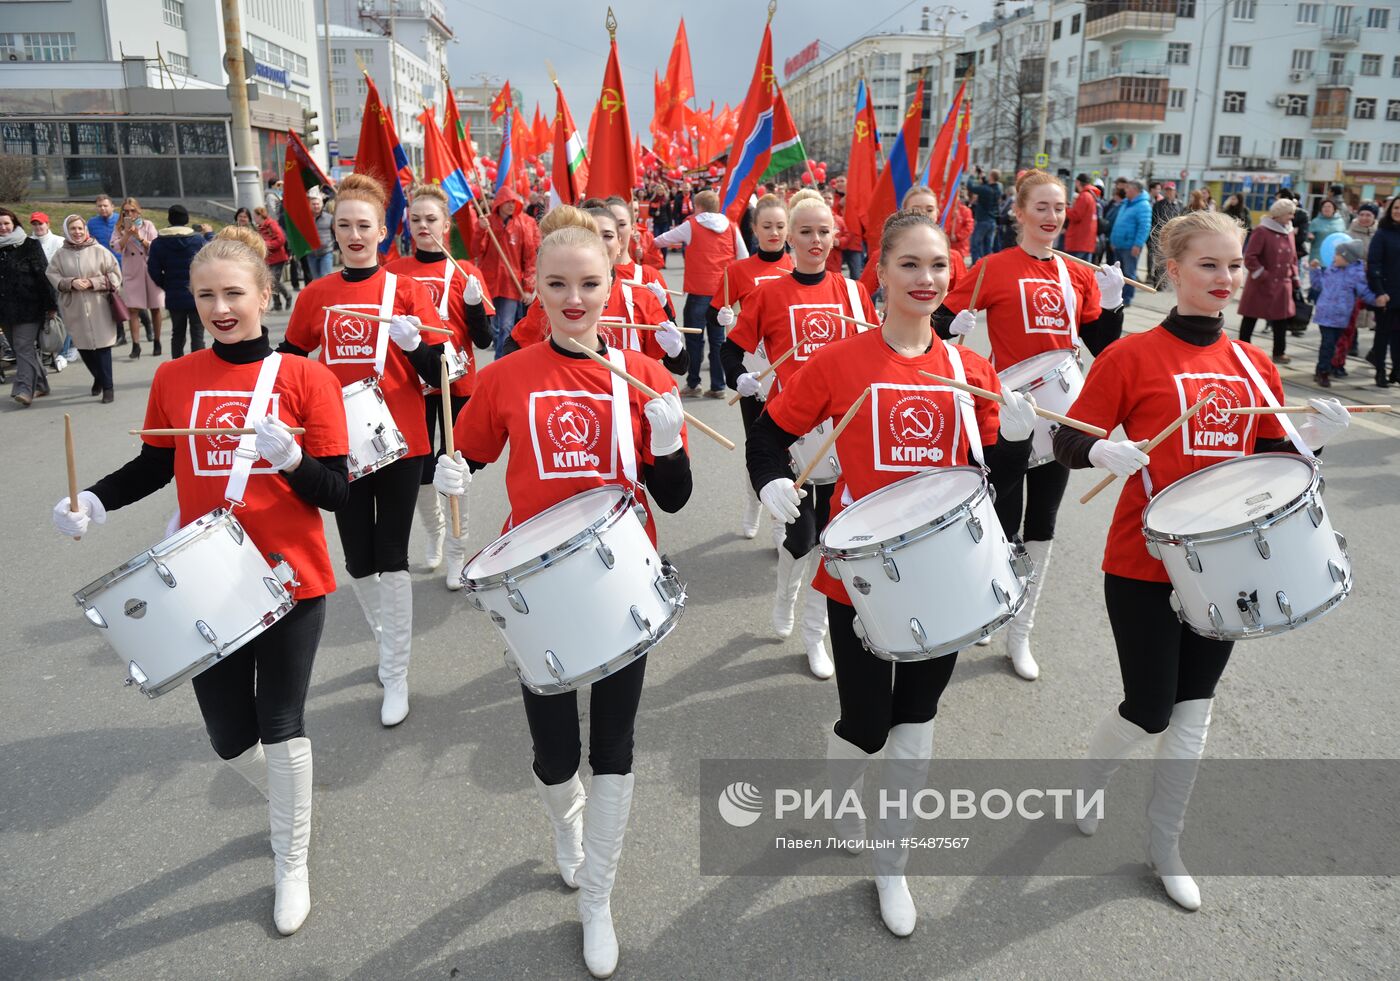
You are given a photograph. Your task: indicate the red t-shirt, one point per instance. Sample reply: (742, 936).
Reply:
(1145, 381)
(555, 414)
(908, 423)
(746, 274)
(348, 343)
(642, 273)
(454, 312)
(534, 326)
(780, 312)
(1025, 304)
(201, 390)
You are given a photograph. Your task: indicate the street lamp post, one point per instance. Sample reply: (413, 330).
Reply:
(940, 17)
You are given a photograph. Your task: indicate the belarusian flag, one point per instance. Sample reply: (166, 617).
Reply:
(787, 144)
(570, 171)
(300, 174)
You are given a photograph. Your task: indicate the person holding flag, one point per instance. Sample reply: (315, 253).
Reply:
(507, 243)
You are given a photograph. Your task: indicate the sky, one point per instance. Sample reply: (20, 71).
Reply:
(513, 39)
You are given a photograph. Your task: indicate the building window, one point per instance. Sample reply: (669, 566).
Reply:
(1232, 102)
(1341, 19)
(1186, 9)
(337, 56)
(1092, 64)
(1229, 146)
(1169, 144)
(1390, 153)
(1290, 149)
(38, 47)
(1085, 142)
(361, 86)
(1239, 56)
(1055, 34)
(1054, 69)
(1178, 53)
(1365, 109)
(173, 12)
(340, 86)
(365, 54)
(1297, 105)
(1064, 147)
(1302, 59)
(342, 117)
(179, 64)
(1074, 24)
(1395, 67)
(1244, 10)
(996, 48)
(277, 56)
(1309, 13)
(1392, 111)
(1324, 149)
(1378, 18)
(1358, 151)
(1072, 68)
(1176, 99)
(1371, 65)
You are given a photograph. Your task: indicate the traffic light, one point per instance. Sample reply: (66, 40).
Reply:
(309, 128)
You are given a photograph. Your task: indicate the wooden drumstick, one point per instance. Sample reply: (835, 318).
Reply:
(72, 467)
(830, 441)
(1083, 427)
(853, 320)
(1085, 262)
(1148, 447)
(207, 431)
(638, 282)
(650, 393)
(384, 320)
(770, 369)
(683, 330)
(444, 250)
(447, 421)
(976, 292)
(726, 289)
(1265, 410)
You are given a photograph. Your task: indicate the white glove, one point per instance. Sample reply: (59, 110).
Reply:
(782, 498)
(670, 338)
(403, 331)
(1123, 458)
(665, 417)
(748, 384)
(472, 292)
(74, 524)
(1320, 426)
(276, 444)
(726, 317)
(452, 475)
(1110, 280)
(1018, 416)
(964, 323)
(658, 291)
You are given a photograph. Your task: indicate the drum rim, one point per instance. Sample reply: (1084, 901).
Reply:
(355, 473)
(197, 528)
(1244, 633)
(952, 646)
(369, 381)
(557, 553)
(1312, 492)
(1044, 377)
(905, 539)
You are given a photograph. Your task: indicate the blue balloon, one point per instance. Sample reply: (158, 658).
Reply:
(1329, 245)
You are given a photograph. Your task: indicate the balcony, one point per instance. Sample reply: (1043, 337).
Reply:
(1120, 19)
(1123, 100)
(1342, 35)
(1332, 123)
(1143, 68)
(1335, 80)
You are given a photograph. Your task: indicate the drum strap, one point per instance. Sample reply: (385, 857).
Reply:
(386, 309)
(622, 419)
(1071, 300)
(853, 298)
(629, 337)
(1289, 429)
(246, 455)
(447, 268)
(965, 410)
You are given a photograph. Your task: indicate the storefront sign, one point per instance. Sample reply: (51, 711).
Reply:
(270, 74)
(802, 59)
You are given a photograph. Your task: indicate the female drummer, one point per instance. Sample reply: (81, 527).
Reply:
(919, 199)
(254, 700)
(883, 705)
(637, 261)
(798, 310)
(462, 307)
(644, 452)
(771, 261)
(1035, 301)
(1143, 382)
(375, 522)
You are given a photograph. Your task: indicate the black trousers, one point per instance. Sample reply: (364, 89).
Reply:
(376, 521)
(813, 514)
(436, 437)
(1279, 327)
(180, 322)
(876, 694)
(99, 363)
(1161, 659)
(258, 693)
(612, 718)
(1039, 496)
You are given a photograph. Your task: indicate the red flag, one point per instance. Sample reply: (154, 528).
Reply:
(541, 132)
(680, 80)
(660, 102)
(864, 162)
(375, 157)
(937, 169)
(897, 177)
(302, 174)
(523, 137)
(753, 137)
(502, 103)
(570, 164)
(612, 169)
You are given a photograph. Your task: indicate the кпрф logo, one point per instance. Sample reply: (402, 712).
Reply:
(740, 804)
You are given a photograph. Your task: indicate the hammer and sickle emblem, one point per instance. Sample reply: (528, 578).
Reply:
(1214, 412)
(862, 129)
(572, 429)
(611, 101)
(916, 424)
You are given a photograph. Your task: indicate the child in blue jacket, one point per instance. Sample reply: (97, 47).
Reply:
(1341, 286)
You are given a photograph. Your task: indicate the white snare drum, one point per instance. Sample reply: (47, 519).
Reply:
(1054, 378)
(926, 564)
(802, 452)
(375, 441)
(188, 602)
(577, 592)
(456, 364)
(1248, 546)
(757, 363)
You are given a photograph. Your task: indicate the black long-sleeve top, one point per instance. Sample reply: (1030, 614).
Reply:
(321, 481)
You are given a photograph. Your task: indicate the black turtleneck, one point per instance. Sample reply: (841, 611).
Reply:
(809, 279)
(425, 257)
(478, 327)
(771, 256)
(245, 351)
(352, 274)
(1200, 331)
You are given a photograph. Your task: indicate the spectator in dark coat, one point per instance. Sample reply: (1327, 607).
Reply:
(986, 207)
(1272, 262)
(168, 265)
(1383, 276)
(26, 299)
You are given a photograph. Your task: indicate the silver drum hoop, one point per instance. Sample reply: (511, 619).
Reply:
(1281, 628)
(1313, 492)
(952, 646)
(195, 529)
(961, 512)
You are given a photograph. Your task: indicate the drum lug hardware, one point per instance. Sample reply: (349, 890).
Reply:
(1193, 558)
(380, 444)
(1248, 605)
(974, 527)
(1064, 383)
(1315, 513)
(498, 620)
(1175, 603)
(1338, 574)
(1216, 620)
(95, 616)
(166, 576)
(858, 628)
(606, 554)
(831, 569)
(891, 570)
(235, 531)
(643, 624)
(1153, 550)
(1321, 483)
(552, 663)
(475, 600)
(1021, 564)
(860, 585)
(206, 632)
(640, 511)
(135, 676)
(1260, 543)
(1003, 597)
(1341, 540)
(917, 629)
(1284, 607)
(284, 573)
(517, 600)
(669, 588)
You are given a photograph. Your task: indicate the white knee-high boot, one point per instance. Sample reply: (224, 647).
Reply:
(814, 624)
(289, 816)
(907, 753)
(564, 803)
(753, 511)
(366, 590)
(1112, 742)
(395, 644)
(1173, 775)
(604, 827)
(455, 549)
(251, 765)
(1018, 632)
(846, 764)
(434, 524)
(789, 581)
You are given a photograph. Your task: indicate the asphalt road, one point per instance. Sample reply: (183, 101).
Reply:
(130, 852)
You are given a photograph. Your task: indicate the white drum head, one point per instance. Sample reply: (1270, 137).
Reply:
(1023, 373)
(901, 507)
(545, 531)
(1228, 494)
